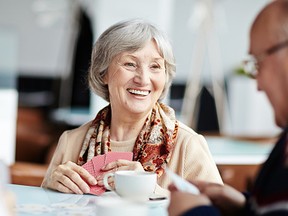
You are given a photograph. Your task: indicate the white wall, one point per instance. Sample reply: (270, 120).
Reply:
(158, 12)
(232, 21)
(45, 30)
(8, 95)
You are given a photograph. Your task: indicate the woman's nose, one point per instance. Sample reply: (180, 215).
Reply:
(142, 76)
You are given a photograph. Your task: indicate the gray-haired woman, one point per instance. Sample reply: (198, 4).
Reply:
(132, 67)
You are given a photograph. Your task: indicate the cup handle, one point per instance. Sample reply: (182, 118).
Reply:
(105, 181)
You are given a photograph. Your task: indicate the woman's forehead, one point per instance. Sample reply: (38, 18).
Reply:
(150, 49)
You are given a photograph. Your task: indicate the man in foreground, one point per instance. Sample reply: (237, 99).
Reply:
(268, 64)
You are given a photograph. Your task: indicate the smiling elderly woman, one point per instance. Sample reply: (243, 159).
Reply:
(132, 67)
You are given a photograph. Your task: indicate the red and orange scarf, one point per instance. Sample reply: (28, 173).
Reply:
(153, 146)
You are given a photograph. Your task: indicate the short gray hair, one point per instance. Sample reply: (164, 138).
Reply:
(129, 35)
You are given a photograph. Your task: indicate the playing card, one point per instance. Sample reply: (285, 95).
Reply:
(94, 166)
(89, 167)
(113, 156)
(96, 163)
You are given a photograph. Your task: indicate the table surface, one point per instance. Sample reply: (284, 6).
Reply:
(43, 202)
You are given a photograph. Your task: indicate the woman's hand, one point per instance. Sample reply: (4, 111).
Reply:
(70, 178)
(181, 202)
(118, 165)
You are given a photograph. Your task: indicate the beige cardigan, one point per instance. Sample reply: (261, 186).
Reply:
(190, 159)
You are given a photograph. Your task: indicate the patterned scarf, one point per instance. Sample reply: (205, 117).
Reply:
(153, 145)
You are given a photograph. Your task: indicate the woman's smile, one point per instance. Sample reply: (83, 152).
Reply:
(138, 92)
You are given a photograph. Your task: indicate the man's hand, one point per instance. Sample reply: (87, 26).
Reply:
(227, 199)
(181, 202)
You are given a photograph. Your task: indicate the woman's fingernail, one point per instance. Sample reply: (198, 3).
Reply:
(100, 183)
(87, 189)
(93, 181)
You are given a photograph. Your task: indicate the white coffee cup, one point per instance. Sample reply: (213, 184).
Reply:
(133, 185)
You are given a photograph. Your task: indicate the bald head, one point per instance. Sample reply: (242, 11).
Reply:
(273, 19)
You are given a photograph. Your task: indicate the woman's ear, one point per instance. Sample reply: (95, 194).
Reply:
(105, 79)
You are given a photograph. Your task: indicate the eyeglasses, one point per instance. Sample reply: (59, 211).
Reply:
(251, 65)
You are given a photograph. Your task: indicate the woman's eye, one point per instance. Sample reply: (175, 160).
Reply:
(130, 64)
(156, 67)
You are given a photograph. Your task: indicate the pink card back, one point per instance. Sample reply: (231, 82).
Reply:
(113, 156)
(96, 163)
(89, 167)
(93, 167)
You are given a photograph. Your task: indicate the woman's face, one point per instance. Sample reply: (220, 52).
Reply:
(136, 80)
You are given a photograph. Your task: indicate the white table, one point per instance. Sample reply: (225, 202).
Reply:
(44, 202)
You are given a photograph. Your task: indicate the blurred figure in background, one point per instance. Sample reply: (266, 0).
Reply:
(268, 64)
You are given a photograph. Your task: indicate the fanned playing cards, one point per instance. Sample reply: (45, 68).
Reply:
(94, 166)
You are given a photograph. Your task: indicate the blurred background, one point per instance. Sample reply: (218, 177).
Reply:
(45, 48)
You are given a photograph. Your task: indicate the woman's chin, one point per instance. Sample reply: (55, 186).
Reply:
(139, 109)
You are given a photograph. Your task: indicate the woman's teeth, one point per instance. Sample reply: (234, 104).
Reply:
(138, 92)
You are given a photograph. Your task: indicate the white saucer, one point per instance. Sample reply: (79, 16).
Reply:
(151, 203)
(158, 203)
